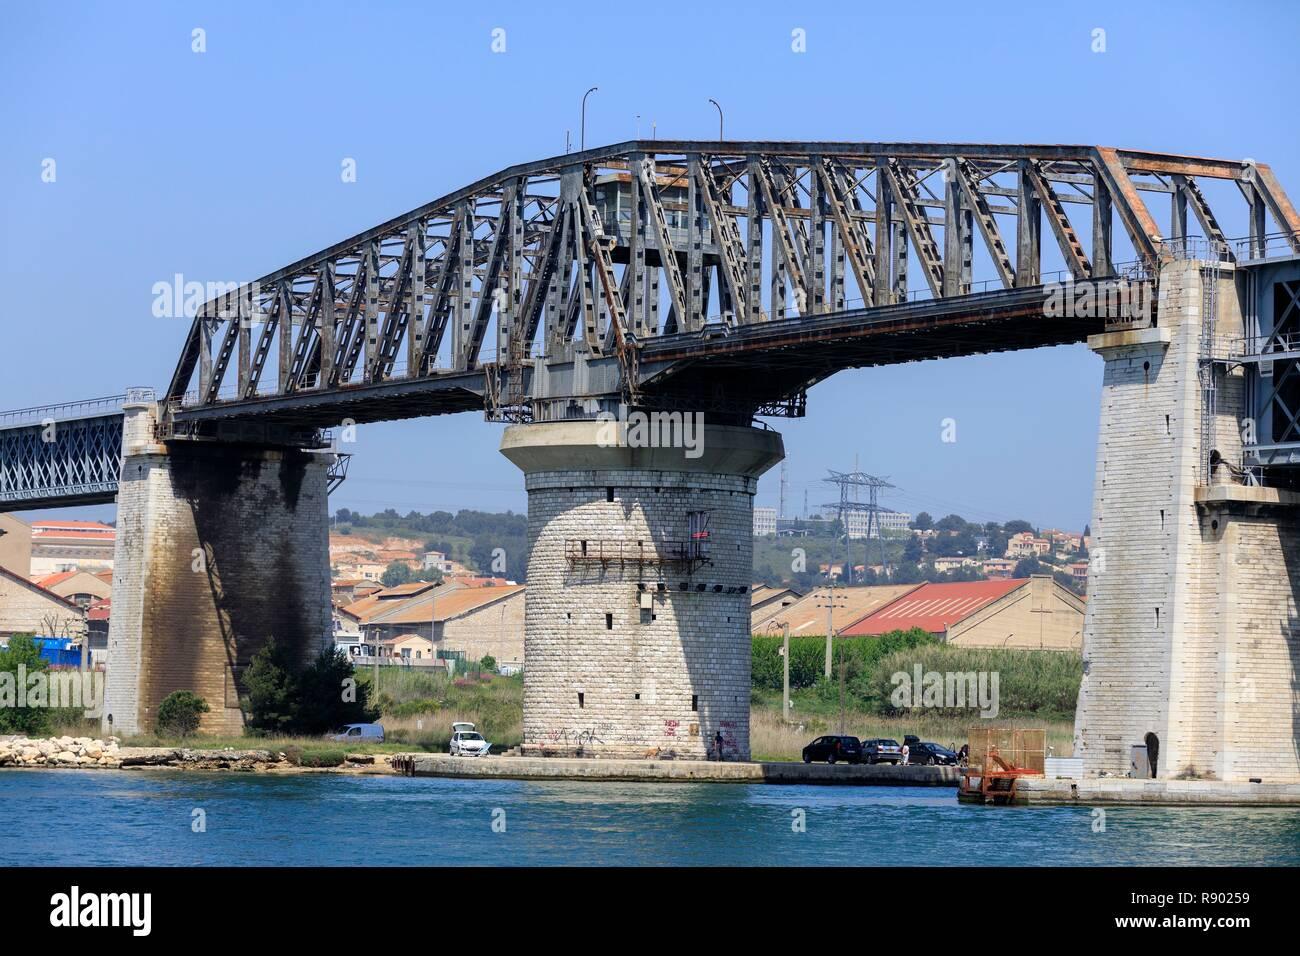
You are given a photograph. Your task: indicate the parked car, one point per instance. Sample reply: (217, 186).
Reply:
(932, 754)
(882, 750)
(360, 733)
(834, 748)
(468, 743)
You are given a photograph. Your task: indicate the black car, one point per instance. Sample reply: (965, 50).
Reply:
(882, 750)
(833, 749)
(930, 753)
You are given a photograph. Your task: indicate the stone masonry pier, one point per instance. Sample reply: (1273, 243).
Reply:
(637, 640)
(1190, 635)
(220, 547)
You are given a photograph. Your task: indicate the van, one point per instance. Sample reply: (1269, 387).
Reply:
(360, 733)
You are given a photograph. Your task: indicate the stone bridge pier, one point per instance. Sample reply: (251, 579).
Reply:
(220, 547)
(637, 637)
(1190, 634)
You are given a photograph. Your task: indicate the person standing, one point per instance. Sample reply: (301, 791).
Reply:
(906, 752)
(717, 746)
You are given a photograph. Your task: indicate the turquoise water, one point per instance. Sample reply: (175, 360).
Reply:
(85, 818)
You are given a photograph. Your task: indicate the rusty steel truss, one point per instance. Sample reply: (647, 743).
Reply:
(610, 274)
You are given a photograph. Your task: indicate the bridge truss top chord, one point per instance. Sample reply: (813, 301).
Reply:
(605, 274)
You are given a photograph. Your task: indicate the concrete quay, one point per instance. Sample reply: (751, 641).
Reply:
(1035, 791)
(581, 768)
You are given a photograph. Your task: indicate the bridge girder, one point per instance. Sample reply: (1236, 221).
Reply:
(568, 257)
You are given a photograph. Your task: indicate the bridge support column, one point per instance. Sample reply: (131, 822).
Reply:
(219, 548)
(635, 645)
(1190, 634)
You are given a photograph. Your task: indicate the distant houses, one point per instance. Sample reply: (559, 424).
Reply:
(1034, 613)
(464, 619)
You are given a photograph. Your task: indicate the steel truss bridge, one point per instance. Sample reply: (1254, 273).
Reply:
(726, 277)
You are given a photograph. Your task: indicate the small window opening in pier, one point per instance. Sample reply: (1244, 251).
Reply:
(1146, 366)
(582, 700)
(695, 701)
(609, 621)
(638, 696)
(584, 547)
(1157, 617)
(609, 494)
(1166, 424)
(1162, 519)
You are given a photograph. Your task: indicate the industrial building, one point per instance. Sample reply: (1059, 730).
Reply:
(1033, 613)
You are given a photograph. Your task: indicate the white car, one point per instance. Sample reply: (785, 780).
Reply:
(469, 743)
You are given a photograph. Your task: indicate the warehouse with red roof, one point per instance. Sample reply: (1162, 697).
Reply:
(1033, 613)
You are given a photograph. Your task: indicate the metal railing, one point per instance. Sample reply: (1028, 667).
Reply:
(1267, 246)
(86, 408)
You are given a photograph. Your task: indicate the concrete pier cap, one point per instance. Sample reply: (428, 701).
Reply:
(617, 444)
(637, 638)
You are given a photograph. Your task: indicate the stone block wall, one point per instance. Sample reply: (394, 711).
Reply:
(219, 548)
(629, 658)
(1189, 630)
(496, 630)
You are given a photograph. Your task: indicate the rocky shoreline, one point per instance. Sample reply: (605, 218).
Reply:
(89, 753)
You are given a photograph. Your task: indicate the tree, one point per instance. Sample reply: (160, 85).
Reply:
(951, 523)
(328, 696)
(913, 551)
(1017, 527)
(488, 663)
(1027, 567)
(15, 716)
(269, 688)
(922, 522)
(180, 711)
(397, 572)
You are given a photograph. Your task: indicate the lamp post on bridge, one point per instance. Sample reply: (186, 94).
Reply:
(582, 131)
(719, 108)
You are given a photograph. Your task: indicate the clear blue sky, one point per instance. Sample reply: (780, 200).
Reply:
(226, 164)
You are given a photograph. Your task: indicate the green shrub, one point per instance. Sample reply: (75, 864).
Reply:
(15, 719)
(808, 657)
(1040, 684)
(180, 711)
(320, 758)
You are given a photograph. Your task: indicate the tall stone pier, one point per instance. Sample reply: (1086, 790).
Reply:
(637, 637)
(1190, 634)
(220, 547)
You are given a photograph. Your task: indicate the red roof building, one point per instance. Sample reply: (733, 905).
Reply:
(933, 607)
(1024, 613)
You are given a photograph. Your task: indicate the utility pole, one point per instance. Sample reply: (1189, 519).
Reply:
(830, 610)
(781, 512)
(785, 681)
(841, 689)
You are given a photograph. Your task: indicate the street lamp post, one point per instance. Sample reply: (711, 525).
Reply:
(715, 103)
(582, 135)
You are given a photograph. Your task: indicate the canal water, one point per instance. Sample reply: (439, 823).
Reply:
(87, 818)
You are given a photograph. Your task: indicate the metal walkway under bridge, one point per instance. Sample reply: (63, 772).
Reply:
(722, 277)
